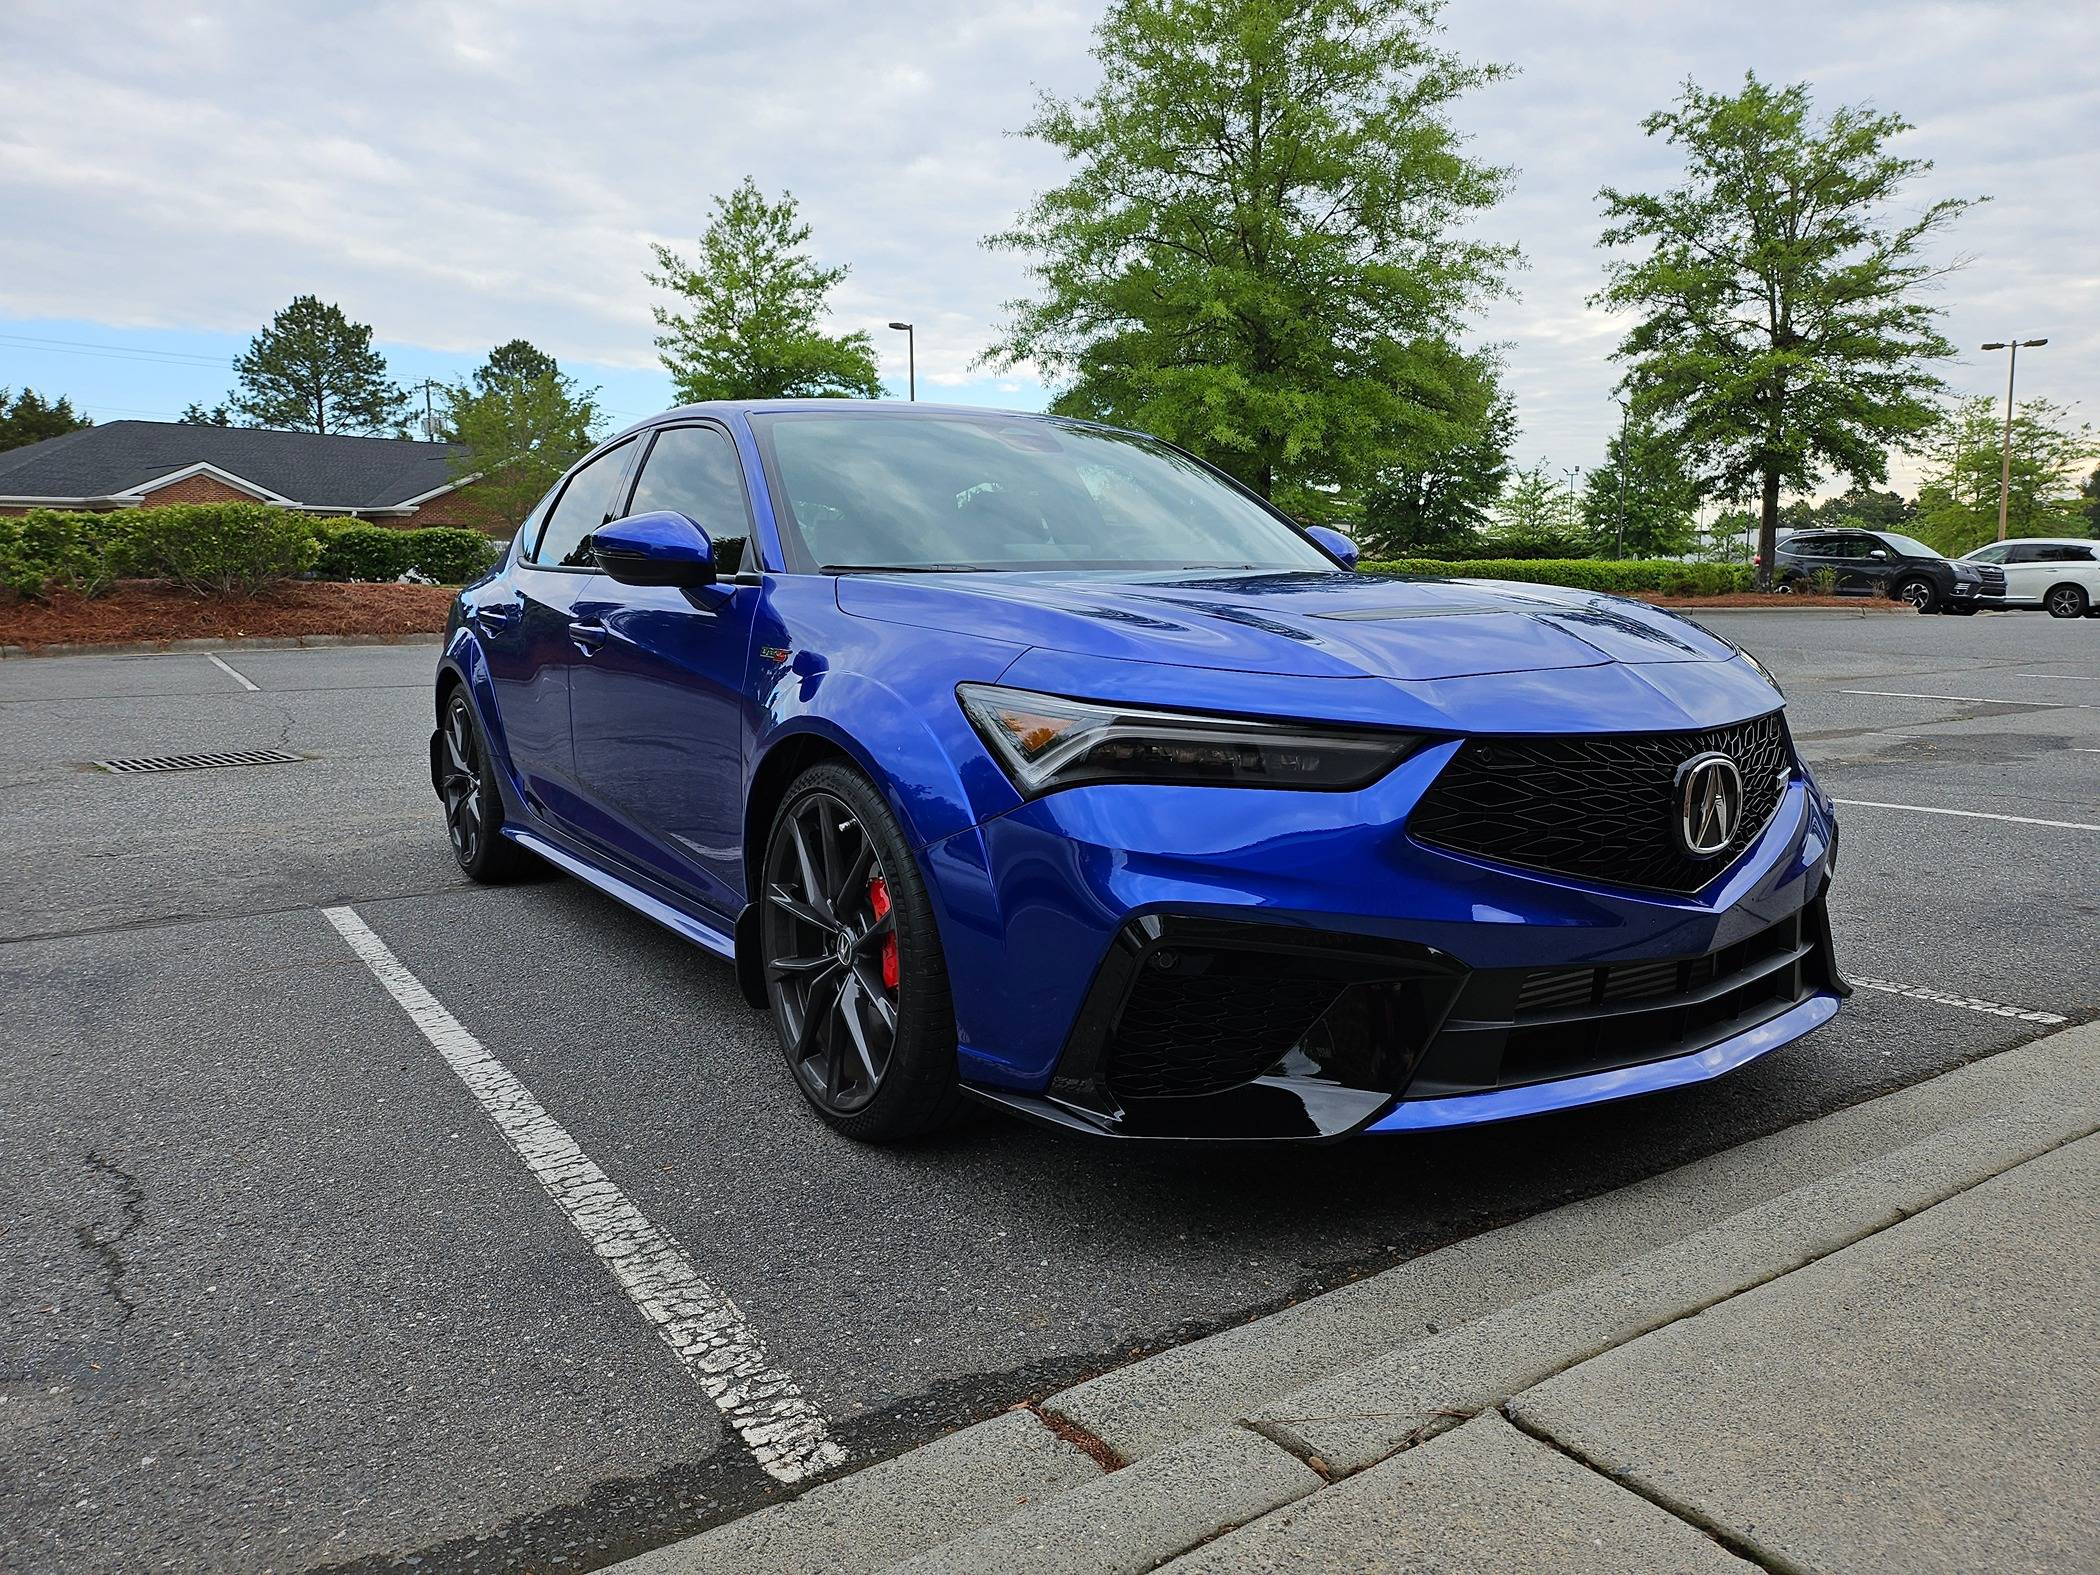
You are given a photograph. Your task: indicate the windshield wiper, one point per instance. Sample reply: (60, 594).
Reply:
(900, 568)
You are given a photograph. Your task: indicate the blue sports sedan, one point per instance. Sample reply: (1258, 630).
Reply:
(1033, 761)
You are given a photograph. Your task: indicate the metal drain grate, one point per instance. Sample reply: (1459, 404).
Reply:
(200, 762)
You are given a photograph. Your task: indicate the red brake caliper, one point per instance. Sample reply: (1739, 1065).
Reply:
(879, 897)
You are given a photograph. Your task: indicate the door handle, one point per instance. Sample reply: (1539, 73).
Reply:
(588, 636)
(495, 616)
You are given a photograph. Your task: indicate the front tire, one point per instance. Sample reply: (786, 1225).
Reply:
(2066, 601)
(854, 971)
(1922, 595)
(473, 806)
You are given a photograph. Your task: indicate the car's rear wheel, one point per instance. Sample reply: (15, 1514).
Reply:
(853, 965)
(2066, 601)
(466, 781)
(1920, 594)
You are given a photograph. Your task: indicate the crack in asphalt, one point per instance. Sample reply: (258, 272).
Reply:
(105, 1247)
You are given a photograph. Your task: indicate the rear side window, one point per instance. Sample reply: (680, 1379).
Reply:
(580, 510)
(694, 471)
(2067, 554)
(2026, 554)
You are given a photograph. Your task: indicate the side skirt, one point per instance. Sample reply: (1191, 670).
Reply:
(647, 904)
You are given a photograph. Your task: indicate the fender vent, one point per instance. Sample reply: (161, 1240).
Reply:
(201, 762)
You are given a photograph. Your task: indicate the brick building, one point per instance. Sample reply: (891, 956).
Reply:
(137, 464)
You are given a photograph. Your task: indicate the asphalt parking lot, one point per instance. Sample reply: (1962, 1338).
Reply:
(276, 1295)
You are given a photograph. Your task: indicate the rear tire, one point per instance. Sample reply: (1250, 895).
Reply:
(2066, 601)
(868, 1029)
(473, 805)
(1922, 595)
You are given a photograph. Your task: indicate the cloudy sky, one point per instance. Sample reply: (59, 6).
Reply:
(459, 174)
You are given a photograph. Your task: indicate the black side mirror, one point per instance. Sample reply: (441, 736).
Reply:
(659, 548)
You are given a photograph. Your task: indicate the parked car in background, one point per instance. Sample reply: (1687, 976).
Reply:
(1884, 563)
(2058, 573)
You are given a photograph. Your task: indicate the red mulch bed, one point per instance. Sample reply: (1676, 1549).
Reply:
(1754, 599)
(143, 611)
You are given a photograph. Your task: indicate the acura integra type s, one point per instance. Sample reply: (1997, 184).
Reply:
(1028, 760)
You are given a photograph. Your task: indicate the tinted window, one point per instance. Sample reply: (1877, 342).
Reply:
(581, 509)
(1001, 492)
(2067, 554)
(694, 471)
(2024, 553)
(1841, 547)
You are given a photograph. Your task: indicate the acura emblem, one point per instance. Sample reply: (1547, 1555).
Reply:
(1709, 804)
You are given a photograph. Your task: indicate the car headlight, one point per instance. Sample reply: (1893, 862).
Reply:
(1763, 671)
(1049, 741)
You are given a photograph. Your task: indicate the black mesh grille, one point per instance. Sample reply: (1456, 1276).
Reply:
(1598, 806)
(1196, 1032)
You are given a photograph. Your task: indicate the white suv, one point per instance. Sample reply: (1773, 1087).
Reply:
(2060, 573)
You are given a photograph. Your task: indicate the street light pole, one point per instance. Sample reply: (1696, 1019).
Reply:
(1622, 479)
(2012, 365)
(911, 360)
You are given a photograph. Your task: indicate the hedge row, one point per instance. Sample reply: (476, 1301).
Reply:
(1654, 575)
(218, 548)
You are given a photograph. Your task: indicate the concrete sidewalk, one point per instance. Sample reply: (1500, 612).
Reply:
(1870, 1342)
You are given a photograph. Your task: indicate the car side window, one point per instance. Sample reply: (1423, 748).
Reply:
(1990, 555)
(694, 471)
(2064, 553)
(1842, 547)
(590, 494)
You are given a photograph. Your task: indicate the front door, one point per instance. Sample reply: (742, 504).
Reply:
(658, 709)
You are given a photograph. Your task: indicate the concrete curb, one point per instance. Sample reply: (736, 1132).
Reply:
(283, 642)
(1363, 1374)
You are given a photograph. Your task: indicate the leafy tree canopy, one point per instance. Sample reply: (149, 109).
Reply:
(1537, 516)
(1640, 503)
(313, 370)
(1784, 330)
(521, 422)
(1261, 253)
(1865, 508)
(195, 415)
(28, 417)
(748, 328)
(1448, 466)
(1958, 500)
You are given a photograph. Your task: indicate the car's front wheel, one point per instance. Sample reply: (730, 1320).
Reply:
(1922, 595)
(854, 970)
(2066, 601)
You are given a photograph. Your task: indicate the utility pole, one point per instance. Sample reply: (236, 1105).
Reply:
(429, 416)
(911, 359)
(2012, 364)
(1622, 479)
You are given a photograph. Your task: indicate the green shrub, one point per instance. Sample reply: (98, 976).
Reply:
(354, 550)
(1653, 575)
(217, 547)
(449, 554)
(45, 550)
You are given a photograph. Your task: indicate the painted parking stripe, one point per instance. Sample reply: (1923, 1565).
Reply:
(1907, 694)
(1923, 992)
(229, 672)
(2069, 678)
(702, 1327)
(1967, 814)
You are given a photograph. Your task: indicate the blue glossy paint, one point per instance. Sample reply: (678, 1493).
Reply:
(630, 724)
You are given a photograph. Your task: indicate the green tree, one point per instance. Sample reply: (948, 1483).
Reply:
(30, 418)
(2089, 495)
(1958, 498)
(1537, 516)
(1262, 252)
(751, 303)
(1432, 500)
(1783, 331)
(520, 422)
(313, 370)
(195, 415)
(1640, 503)
(1866, 508)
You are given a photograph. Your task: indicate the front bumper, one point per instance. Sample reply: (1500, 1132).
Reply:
(1106, 944)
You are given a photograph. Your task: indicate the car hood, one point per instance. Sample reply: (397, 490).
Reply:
(1315, 625)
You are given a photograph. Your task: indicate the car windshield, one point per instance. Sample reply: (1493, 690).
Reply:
(953, 492)
(1909, 546)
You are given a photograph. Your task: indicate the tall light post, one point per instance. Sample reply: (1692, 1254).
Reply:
(1622, 477)
(2012, 365)
(911, 360)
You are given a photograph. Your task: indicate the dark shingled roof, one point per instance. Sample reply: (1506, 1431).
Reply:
(307, 467)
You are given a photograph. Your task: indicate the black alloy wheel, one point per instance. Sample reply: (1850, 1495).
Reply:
(852, 967)
(2066, 601)
(473, 808)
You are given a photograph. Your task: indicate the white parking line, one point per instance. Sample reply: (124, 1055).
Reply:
(1907, 694)
(702, 1327)
(1924, 992)
(1967, 814)
(229, 672)
(2069, 678)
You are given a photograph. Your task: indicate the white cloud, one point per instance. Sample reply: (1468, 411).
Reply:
(458, 174)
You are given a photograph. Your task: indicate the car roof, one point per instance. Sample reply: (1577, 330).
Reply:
(2041, 541)
(719, 408)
